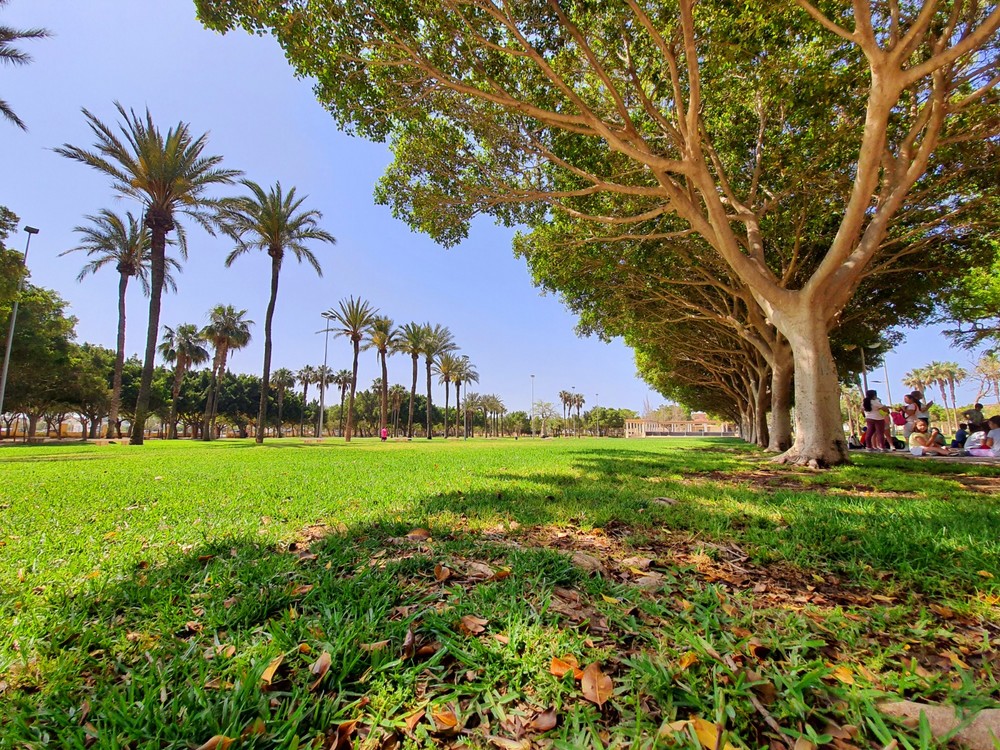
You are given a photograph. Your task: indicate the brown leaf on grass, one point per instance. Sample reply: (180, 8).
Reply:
(955, 659)
(409, 643)
(218, 742)
(500, 638)
(230, 601)
(802, 743)
(979, 731)
(708, 734)
(664, 501)
(445, 720)
(217, 683)
(688, 659)
(441, 573)
(505, 743)
(254, 729)
(946, 612)
(596, 686)
(562, 665)
(588, 562)
(544, 720)
(301, 589)
(479, 571)
(413, 719)
(339, 738)
(376, 646)
(319, 668)
(267, 677)
(419, 535)
(471, 625)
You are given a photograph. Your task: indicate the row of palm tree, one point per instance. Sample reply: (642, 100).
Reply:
(569, 401)
(170, 174)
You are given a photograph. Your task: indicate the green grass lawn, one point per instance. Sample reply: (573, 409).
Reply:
(146, 595)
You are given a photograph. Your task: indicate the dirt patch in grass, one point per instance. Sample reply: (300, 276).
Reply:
(776, 479)
(984, 485)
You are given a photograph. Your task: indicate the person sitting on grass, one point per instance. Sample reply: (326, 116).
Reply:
(961, 435)
(923, 444)
(989, 447)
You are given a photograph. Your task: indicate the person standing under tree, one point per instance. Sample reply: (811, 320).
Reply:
(875, 414)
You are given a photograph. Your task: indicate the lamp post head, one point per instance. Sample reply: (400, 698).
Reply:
(31, 230)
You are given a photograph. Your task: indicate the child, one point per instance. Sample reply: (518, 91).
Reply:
(961, 436)
(922, 443)
(990, 445)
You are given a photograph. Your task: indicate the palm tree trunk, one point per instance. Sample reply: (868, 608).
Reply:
(213, 384)
(446, 390)
(427, 361)
(302, 416)
(458, 405)
(413, 397)
(158, 227)
(354, 384)
(116, 383)
(175, 393)
(281, 404)
(383, 418)
(269, 316)
(343, 395)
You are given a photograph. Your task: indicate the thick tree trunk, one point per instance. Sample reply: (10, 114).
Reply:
(158, 225)
(819, 431)
(174, 393)
(780, 436)
(268, 317)
(116, 381)
(761, 402)
(213, 387)
(413, 397)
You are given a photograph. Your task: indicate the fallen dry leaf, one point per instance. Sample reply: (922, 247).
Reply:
(544, 720)
(302, 588)
(218, 742)
(444, 720)
(419, 535)
(506, 743)
(588, 562)
(478, 571)
(319, 668)
(268, 675)
(473, 625)
(562, 665)
(688, 659)
(217, 683)
(409, 643)
(980, 731)
(376, 646)
(253, 729)
(596, 686)
(339, 738)
(413, 719)
(441, 573)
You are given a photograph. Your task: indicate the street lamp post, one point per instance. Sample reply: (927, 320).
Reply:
(322, 381)
(531, 421)
(13, 318)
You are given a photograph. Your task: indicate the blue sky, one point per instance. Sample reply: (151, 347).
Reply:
(262, 120)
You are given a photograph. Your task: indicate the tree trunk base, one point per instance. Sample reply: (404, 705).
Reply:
(811, 461)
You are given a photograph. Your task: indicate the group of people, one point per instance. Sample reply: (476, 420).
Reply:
(977, 437)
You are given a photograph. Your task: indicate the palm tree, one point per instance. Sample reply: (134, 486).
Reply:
(184, 347)
(169, 175)
(382, 336)
(342, 379)
(445, 368)
(396, 395)
(578, 402)
(124, 242)
(282, 380)
(437, 341)
(324, 376)
(273, 222)
(13, 56)
(917, 379)
(471, 405)
(227, 330)
(307, 376)
(464, 373)
(953, 375)
(352, 318)
(411, 341)
(566, 399)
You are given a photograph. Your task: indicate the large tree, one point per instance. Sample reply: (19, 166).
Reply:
(678, 117)
(272, 221)
(11, 55)
(124, 242)
(169, 174)
(412, 337)
(382, 336)
(438, 341)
